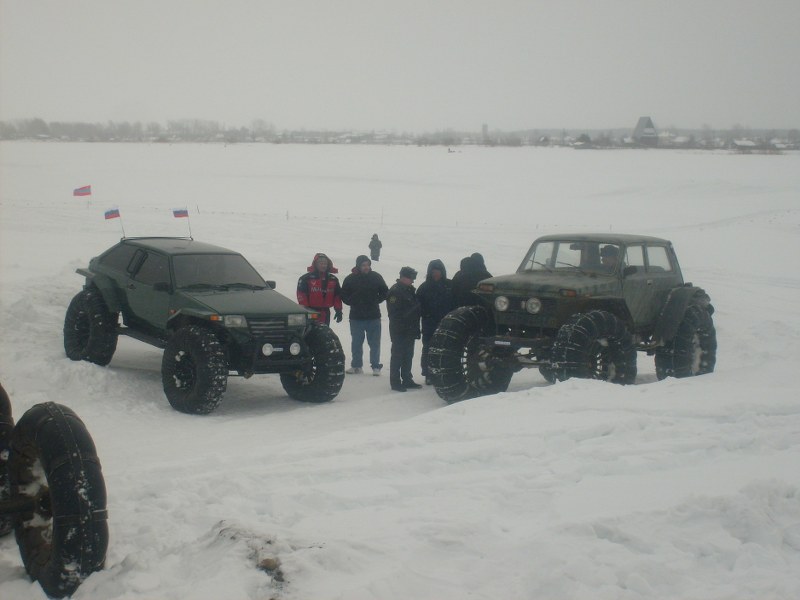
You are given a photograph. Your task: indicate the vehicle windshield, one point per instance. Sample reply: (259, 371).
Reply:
(592, 258)
(215, 271)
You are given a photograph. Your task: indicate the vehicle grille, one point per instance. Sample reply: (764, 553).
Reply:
(270, 328)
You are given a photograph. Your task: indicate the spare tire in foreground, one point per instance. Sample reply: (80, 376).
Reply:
(63, 538)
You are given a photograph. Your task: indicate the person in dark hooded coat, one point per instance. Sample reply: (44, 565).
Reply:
(473, 270)
(435, 296)
(319, 289)
(375, 246)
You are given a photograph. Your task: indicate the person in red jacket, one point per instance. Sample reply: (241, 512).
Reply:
(319, 289)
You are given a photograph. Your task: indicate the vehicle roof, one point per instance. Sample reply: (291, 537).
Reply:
(173, 245)
(604, 238)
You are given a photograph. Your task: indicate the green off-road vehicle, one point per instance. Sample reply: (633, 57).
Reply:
(213, 315)
(578, 306)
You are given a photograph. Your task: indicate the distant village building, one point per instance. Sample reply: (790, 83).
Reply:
(645, 133)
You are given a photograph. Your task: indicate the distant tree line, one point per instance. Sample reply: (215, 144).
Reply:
(261, 131)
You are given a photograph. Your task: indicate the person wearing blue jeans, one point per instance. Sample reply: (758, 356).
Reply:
(363, 291)
(371, 330)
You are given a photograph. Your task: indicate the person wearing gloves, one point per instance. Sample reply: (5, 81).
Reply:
(364, 290)
(404, 315)
(319, 289)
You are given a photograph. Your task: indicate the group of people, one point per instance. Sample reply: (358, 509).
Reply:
(413, 313)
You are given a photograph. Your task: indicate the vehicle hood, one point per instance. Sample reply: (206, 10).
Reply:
(241, 302)
(546, 284)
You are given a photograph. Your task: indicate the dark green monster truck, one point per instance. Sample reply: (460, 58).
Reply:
(213, 315)
(578, 306)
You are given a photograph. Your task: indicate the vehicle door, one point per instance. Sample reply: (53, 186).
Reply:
(637, 286)
(149, 306)
(646, 287)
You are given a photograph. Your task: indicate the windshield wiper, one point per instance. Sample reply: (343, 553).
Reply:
(541, 264)
(204, 286)
(248, 286)
(573, 266)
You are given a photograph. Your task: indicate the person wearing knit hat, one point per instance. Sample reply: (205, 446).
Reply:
(363, 290)
(404, 314)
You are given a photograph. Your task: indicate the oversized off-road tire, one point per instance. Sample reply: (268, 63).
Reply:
(693, 350)
(457, 365)
(90, 329)
(6, 427)
(194, 370)
(594, 345)
(53, 463)
(322, 379)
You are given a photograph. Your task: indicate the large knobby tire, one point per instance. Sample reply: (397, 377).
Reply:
(90, 329)
(457, 365)
(322, 380)
(6, 427)
(595, 345)
(54, 463)
(693, 350)
(194, 370)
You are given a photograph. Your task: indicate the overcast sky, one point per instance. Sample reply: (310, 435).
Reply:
(410, 65)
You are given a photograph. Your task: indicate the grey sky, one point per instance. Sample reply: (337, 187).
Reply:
(415, 65)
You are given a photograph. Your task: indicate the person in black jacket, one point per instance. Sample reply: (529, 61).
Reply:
(473, 270)
(363, 290)
(404, 314)
(436, 299)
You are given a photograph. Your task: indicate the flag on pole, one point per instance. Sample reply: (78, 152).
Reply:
(112, 213)
(82, 191)
(180, 213)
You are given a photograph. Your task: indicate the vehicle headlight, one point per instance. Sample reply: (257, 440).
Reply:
(501, 303)
(297, 320)
(267, 349)
(533, 305)
(235, 321)
(295, 349)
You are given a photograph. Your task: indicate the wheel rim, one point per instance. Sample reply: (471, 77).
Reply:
(600, 364)
(41, 521)
(185, 372)
(82, 329)
(696, 353)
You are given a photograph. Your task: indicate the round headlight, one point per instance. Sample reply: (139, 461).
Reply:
(501, 303)
(533, 305)
(267, 349)
(294, 349)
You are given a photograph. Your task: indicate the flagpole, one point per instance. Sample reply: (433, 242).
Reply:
(189, 223)
(122, 226)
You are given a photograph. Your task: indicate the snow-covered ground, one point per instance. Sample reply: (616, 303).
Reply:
(583, 489)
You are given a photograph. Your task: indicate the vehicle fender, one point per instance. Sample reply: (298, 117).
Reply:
(615, 306)
(678, 300)
(189, 315)
(105, 285)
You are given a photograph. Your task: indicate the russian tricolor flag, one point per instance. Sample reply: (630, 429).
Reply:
(82, 191)
(112, 213)
(180, 213)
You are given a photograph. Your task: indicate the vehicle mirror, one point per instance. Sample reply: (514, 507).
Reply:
(162, 286)
(270, 284)
(629, 270)
(575, 246)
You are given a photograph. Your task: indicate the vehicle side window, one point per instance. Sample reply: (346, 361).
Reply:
(155, 269)
(658, 259)
(634, 257)
(118, 258)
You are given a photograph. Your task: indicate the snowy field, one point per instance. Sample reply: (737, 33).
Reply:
(675, 489)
